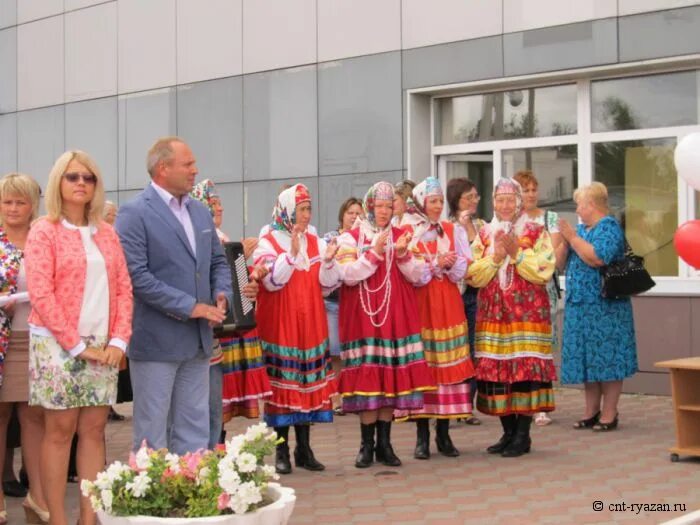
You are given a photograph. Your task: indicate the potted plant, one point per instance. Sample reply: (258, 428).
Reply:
(229, 485)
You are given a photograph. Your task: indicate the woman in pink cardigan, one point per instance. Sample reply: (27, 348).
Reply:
(80, 324)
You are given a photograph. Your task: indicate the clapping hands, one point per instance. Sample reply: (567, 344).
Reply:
(331, 250)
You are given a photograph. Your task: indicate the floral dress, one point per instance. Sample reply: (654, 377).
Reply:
(599, 340)
(515, 367)
(10, 262)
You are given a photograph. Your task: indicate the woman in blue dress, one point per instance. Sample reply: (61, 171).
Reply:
(599, 347)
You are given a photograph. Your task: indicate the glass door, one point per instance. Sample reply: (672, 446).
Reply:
(478, 168)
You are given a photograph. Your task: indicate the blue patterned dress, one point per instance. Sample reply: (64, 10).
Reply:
(599, 341)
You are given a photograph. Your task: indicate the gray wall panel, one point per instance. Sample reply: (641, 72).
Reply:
(8, 143)
(40, 141)
(143, 118)
(92, 127)
(563, 47)
(455, 62)
(359, 113)
(210, 120)
(335, 190)
(8, 13)
(661, 337)
(660, 34)
(281, 124)
(260, 197)
(8, 70)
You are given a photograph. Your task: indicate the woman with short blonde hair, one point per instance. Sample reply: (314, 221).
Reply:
(599, 347)
(596, 193)
(19, 205)
(80, 324)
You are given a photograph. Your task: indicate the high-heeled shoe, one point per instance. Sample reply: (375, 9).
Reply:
(33, 513)
(587, 423)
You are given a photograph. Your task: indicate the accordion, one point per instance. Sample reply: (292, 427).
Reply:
(241, 314)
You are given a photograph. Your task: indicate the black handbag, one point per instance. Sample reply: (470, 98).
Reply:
(625, 277)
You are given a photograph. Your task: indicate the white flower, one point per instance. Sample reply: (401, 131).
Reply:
(86, 487)
(229, 480)
(173, 461)
(143, 459)
(256, 431)
(106, 496)
(246, 462)
(140, 485)
(269, 472)
(116, 470)
(96, 503)
(203, 474)
(250, 492)
(103, 481)
(234, 446)
(237, 504)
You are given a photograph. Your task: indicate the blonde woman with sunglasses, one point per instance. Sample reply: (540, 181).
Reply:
(79, 326)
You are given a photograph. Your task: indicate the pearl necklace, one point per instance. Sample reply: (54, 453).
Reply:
(386, 284)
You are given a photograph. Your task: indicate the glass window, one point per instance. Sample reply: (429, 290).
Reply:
(645, 102)
(556, 169)
(532, 112)
(642, 189)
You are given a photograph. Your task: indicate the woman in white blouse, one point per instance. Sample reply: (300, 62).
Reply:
(79, 327)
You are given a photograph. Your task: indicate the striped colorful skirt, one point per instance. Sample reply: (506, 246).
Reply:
(446, 347)
(302, 384)
(383, 367)
(245, 380)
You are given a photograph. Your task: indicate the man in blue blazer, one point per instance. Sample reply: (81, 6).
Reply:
(182, 286)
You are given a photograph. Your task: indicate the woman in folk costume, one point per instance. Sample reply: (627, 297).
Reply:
(293, 327)
(238, 378)
(383, 364)
(513, 261)
(443, 323)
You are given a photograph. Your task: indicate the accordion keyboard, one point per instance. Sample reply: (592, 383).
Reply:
(242, 275)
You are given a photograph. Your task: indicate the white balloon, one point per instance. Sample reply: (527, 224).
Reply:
(687, 159)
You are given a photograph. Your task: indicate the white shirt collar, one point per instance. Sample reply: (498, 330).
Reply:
(168, 197)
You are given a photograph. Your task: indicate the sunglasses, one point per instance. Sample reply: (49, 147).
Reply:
(74, 177)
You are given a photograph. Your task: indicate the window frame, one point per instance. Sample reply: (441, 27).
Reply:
(687, 283)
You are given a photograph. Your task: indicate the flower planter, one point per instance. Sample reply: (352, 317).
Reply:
(276, 513)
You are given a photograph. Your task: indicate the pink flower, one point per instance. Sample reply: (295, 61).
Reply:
(191, 464)
(223, 501)
(169, 473)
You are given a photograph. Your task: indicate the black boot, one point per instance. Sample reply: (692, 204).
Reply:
(384, 451)
(521, 443)
(365, 457)
(303, 455)
(442, 439)
(422, 439)
(508, 423)
(282, 463)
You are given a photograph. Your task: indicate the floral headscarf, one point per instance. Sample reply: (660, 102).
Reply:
(415, 215)
(284, 213)
(505, 187)
(382, 191)
(205, 192)
(510, 187)
(367, 223)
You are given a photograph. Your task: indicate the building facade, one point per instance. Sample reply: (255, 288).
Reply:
(339, 94)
